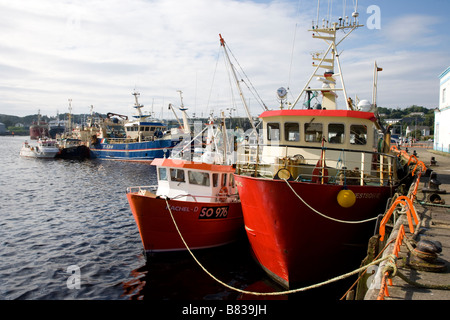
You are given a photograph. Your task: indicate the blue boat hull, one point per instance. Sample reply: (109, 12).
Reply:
(137, 151)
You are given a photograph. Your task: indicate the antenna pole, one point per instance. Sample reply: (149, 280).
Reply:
(318, 7)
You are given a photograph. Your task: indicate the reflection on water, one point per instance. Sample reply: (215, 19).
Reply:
(176, 276)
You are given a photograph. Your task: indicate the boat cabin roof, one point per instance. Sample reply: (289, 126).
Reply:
(320, 113)
(184, 164)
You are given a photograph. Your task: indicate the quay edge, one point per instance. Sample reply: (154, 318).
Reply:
(413, 281)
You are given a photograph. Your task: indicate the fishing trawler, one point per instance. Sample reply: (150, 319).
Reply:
(39, 128)
(312, 191)
(196, 198)
(142, 139)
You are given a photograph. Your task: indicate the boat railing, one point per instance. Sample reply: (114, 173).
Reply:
(151, 190)
(131, 140)
(119, 140)
(141, 189)
(317, 164)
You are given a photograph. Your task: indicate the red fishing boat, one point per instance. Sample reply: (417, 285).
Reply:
(197, 190)
(312, 190)
(39, 128)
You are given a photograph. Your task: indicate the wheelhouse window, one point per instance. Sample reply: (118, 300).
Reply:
(177, 175)
(358, 134)
(232, 183)
(215, 179)
(313, 132)
(224, 180)
(336, 133)
(199, 178)
(162, 172)
(291, 131)
(273, 131)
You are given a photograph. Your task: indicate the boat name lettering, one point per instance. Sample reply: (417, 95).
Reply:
(213, 212)
(367, 195)
(179, 208)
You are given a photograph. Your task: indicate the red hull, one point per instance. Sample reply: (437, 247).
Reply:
(292, 243)
(202, 224)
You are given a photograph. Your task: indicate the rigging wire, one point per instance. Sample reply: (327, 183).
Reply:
(212, 82)
(253, 90)
(293, 43)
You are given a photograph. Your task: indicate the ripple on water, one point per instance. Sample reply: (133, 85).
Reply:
(55, 214)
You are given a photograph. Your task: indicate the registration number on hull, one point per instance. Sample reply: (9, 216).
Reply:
(213, 212)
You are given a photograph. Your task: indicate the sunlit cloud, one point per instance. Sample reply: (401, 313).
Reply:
(97, 52)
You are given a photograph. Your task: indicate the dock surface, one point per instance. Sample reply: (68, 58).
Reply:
(418, 279)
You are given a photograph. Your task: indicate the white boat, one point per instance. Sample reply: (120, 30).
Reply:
(45, 149)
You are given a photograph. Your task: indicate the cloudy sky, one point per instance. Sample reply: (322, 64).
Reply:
(97, 52)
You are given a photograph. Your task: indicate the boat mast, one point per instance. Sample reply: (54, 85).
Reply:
(69, 129)
(222, 43)
(185, 125)
(375, 84)
(137, 106)
(183, 111)
(225, 138)
(327, 32)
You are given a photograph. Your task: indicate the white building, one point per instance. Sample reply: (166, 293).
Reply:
(424, 130)
(442, 115)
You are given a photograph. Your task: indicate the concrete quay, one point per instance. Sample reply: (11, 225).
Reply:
(418, 279)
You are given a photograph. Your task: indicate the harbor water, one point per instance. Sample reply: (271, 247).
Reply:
(65, 218)
(67, 232)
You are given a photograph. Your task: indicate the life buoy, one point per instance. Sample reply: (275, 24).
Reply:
(223, 190)
(222, 195)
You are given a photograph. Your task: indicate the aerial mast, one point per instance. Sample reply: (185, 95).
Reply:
(327, 32)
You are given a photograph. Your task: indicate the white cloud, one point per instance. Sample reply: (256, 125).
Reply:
(96, 52)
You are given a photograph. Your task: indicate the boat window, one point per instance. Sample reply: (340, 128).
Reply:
(199, 178)
(224, 180)
(291, 131)
(336, 133)
(162, 174)
(273, 131)
(232, 183)
(313, 132)
(152, 128)
(147, 128)
(358, 134)
(215, 179)
(177, 175)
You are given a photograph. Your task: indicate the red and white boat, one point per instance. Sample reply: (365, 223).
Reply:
(200, 191)
(44, 149)
(312, 191)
